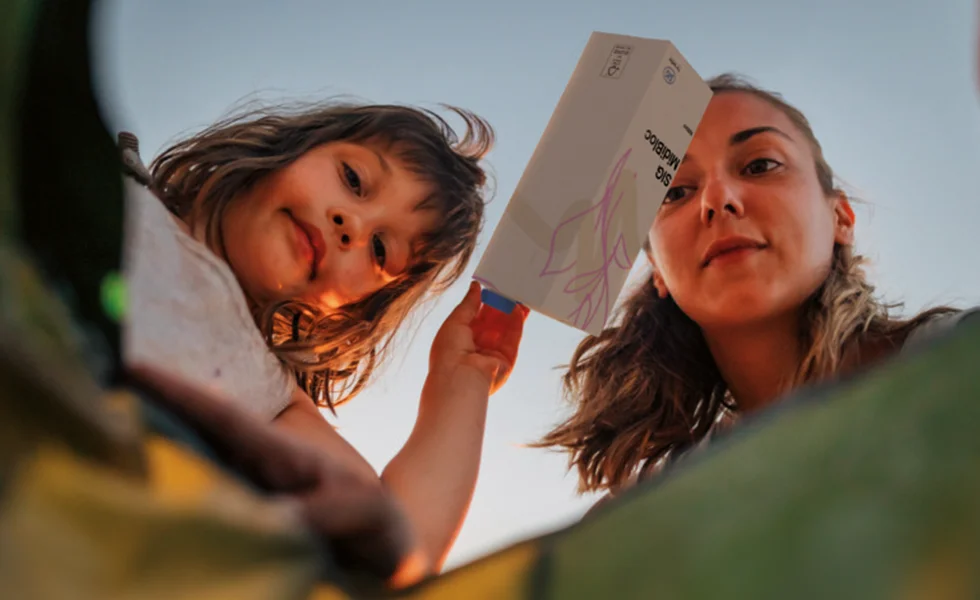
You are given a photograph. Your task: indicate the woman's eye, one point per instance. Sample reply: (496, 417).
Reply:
(352, 178)
(760, 166)
(674, 194)
(380, 253)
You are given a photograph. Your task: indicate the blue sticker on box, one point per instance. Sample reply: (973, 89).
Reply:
(495, 300)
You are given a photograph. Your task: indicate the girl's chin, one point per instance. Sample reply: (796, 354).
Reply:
(267, 293)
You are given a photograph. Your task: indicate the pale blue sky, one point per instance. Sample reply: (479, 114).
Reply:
(887, 85)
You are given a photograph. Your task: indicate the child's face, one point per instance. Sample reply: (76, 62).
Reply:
(333, 227)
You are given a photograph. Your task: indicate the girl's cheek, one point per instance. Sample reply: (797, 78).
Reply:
(338, 291)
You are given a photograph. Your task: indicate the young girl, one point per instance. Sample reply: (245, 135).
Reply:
(304, 239)
(755, 290)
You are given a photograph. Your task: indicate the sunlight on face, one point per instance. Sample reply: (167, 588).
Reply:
(746, 232)
(331, 228)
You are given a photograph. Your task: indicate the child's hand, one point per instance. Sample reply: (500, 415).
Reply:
(479, 339)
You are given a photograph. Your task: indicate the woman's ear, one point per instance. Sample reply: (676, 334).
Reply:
(843, 220)
(658, 281)
(661, 287)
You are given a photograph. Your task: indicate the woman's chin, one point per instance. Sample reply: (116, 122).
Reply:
(732, 310)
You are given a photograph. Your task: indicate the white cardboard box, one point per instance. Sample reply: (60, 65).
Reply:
(578, 217)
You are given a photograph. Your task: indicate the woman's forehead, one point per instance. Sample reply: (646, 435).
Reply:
(732, 112)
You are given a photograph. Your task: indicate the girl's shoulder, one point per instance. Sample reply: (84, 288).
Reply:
(187, 312)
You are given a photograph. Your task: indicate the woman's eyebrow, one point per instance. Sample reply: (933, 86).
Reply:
(745, 135)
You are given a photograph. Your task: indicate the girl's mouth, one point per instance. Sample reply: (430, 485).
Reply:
(310, 243)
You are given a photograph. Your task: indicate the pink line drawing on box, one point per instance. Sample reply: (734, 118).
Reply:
(592, 286)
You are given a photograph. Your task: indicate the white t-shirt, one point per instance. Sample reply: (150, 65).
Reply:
(188, 315)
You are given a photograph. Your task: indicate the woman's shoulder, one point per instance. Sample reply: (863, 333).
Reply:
(937, 326)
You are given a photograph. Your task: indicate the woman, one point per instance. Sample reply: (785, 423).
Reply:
(755, 291)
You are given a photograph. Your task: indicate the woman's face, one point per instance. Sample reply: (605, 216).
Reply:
(746, 233)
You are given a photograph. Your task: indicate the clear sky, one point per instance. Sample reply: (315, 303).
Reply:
(888, 86)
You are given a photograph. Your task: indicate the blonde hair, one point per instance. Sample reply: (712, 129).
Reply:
(647, 388)
(334, 355)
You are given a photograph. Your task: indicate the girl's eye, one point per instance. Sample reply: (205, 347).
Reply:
(760, 166)
(353, 179)
(674, 194)
(378, 248)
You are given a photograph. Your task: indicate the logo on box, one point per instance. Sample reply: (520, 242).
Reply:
(670, 75)
(616, 63)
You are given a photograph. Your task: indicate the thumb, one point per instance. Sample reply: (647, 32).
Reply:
(466, 311)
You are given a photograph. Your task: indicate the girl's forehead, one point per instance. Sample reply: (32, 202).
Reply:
(386, 161)
(361, 149)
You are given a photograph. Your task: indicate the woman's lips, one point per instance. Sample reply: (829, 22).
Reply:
(729, 249)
